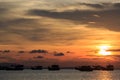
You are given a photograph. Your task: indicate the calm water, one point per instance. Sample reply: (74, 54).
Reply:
(59, 75)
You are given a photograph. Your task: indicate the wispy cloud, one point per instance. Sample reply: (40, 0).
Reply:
(39, 51)
(38, 57)
(85, 17)
(114, 50)
(41, 22)
(59, 54)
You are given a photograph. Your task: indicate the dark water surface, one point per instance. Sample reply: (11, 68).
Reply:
(59, 75)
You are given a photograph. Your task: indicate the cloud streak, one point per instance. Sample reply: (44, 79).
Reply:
(114, 50)
(59, 54)
(105, 20)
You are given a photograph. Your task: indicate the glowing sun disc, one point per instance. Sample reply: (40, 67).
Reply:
(103, 50)
(104, 53)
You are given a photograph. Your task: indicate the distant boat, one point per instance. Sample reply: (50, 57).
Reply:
(110, 67)
(54, 68)
(98, 67)
(15, 67)
(37, 68)
(2, 68)
(84, 68)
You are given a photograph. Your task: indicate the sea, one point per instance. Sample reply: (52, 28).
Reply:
(64, 74)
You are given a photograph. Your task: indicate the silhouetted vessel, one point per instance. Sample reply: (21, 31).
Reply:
(37, 68)
(2, 68)
(98, 67)
(84, 68)
(54, 68)
(15, 67)
(110, 67)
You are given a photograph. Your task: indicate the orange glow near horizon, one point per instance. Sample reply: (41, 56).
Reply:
(103, 50)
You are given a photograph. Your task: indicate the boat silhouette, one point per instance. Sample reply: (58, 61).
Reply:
(54, 67)
(98, 67)
(2, 68)
(37, 68)
(84, 68)
(110, 67)
(15, 67)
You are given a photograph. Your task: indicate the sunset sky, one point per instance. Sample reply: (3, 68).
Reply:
(66, 32)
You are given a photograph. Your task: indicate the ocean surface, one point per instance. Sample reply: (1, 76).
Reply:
(59, 75)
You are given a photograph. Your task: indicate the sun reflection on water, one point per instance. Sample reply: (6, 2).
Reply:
(105, 75)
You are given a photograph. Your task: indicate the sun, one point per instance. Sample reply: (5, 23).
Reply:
(103, 50)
